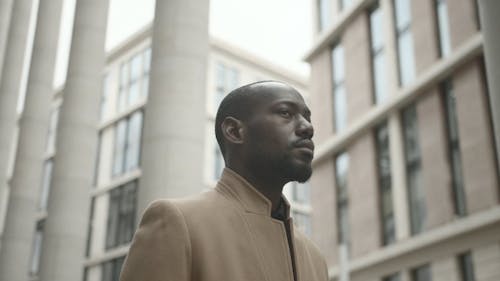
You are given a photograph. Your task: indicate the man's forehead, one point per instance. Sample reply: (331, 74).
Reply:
(268, 92)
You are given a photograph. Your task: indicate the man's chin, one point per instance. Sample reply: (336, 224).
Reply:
(302, 174)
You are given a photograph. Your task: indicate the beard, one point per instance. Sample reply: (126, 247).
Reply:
(284, 167)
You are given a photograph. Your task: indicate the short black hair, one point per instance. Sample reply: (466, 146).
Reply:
(236, 104)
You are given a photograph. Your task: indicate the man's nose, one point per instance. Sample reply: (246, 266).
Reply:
(305, 129)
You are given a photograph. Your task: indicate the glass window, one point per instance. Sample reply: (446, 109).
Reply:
(119, 148)
(339, 91)
(146, 70)
(324, 12)
(52, 131)
(378, 56)
(466, 267)
(422, 273)
(404, 41)
(147, 60)
(443, 27)
(219, 162)
(111, 269)
(301, 192)
(135, 79)
(385, 184)
(341, 174)
(416, 195)
(128, 133)
(46, 181)
(392, 277)
(226, 79)
(344, 4)
(303, 222)
(121, 215)
(133, 141)
(457, 183)
(104, 97)
(123, 88)
(36, 248)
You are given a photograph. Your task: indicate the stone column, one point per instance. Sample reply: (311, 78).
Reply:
(25, 184)
(15, 50)
(65, 233)
(490, 24)
(5, 11)
(172, 159)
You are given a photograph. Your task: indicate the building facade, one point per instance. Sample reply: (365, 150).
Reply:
(117, 176)
(406, 181)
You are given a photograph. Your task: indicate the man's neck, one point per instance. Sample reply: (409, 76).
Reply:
(271, 190)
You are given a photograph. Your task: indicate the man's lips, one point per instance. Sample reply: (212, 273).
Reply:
(306, 145)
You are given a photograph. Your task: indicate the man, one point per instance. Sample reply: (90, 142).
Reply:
(240, 230)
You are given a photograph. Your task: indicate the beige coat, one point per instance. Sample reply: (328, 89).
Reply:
(225, 234)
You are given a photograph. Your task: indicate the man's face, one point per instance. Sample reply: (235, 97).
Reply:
(279, 134)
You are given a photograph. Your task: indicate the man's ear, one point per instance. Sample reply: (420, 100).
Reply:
(233, 130)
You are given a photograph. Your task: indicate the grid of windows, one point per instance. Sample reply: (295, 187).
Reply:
(339, 91)
(134, 79)
(385, 184)
(457, 183)
(443, 27)
(466, 267)
(227, 79)
(413, 170)
(324, 13)
(127, 143)
(402, 13)
(421, 273)
(341, 173)
(121, 214)
(378, 55)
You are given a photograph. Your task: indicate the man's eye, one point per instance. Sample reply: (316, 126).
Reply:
(285, 113)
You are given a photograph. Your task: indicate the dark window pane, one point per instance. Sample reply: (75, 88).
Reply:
(422, 273)
(341, 173)
(416, 194)
(324, 7)
(384, 176)
(454, 149)
(466, 267)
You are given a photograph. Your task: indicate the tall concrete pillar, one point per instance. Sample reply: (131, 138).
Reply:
(174, 124)
(65, 232)
(15, 50)
(5, 11)
(490, 24)
(25, 184)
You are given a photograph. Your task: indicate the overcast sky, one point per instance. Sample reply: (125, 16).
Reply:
(277, 30)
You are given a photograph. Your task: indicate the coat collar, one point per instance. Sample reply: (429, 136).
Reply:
(252, 200)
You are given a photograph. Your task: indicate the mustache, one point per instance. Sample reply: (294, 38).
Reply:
(304, 142)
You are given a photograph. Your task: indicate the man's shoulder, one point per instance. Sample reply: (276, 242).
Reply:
(202, 204)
